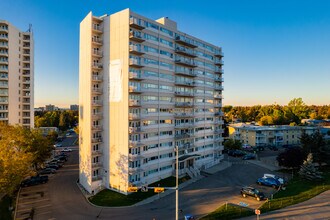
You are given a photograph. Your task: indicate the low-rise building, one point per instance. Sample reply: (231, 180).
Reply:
(268, 135)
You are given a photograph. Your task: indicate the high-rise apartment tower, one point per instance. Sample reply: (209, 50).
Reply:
(16, 75)
(146, 88)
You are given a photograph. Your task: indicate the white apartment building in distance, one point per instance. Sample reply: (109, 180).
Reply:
(16, 75)
(146, 88)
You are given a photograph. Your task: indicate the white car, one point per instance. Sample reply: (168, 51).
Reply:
(66, 150)
(58, 145)
(246, 146)
(267, 175)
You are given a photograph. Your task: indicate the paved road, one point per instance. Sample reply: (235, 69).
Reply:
(313, 209)
(198, 199)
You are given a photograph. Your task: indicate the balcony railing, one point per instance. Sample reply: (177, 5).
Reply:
(218, 53)
(134, 49)
(97, 90)
(133, 103)
(218, 62)
(134, 89)
(135, 63)
(136, 23)
(97, 65)
(185, 62)
(184, 83)
(96, 127)
(185, 41)
(217, 96)
(97, 53)
(97, 102)
(185, 51)
(136, 76)
(185, 72)
(97, 28)
(183, 115)
(218, 87)
(97, 78)
(97, 140)
(179, 93)
(136, 36)
(182, 136)
(133, 116)
(183, 104)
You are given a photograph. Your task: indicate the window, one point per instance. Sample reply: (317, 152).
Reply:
(166, 31)
(166, 42)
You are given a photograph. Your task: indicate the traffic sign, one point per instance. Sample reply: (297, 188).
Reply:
(132, 189)
(257, 211)
(144, 188)
(159, 190)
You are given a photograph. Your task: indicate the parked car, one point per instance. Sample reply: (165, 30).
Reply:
(249, 157)
(246, 146)
(269, 182)
(61, 158)
(250, 191)
(58, 145)
(281, 180)
(274, 148)
(236, 153)
(53, 166)
(47, 171)
(35, 180)
(258, 148)
(67, 150)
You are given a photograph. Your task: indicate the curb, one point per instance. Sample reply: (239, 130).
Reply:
(16, 203)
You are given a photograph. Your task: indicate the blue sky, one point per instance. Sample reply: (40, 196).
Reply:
(275, 50)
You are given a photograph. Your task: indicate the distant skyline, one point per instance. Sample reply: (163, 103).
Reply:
(274, 50)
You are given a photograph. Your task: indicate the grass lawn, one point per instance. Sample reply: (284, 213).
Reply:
(298, 190)
(229, 211)
(111, 198)
(5, 203)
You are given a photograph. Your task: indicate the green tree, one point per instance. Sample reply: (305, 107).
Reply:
(231, 144)
(291, 158)
(315, 144)
(266, 120)
(308, 170)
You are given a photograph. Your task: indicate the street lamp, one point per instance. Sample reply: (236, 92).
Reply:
(177, 185)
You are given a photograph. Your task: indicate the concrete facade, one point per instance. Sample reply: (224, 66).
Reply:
(268, 135)
(16, 75)
(145, 88)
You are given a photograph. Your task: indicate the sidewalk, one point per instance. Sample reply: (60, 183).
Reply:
(219, 167)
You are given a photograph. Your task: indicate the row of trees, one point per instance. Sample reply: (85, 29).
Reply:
(277, 114)
(61, 119)
(22, 152)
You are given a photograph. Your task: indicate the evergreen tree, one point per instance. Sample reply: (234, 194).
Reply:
(308, 170)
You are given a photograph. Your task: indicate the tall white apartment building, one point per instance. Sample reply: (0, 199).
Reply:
(16, 75)
(146, 88)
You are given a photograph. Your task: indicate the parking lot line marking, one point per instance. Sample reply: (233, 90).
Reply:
(40, 200)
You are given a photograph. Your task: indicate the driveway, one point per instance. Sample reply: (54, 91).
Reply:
(199, 198)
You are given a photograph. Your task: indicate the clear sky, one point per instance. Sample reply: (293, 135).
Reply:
(275, 50)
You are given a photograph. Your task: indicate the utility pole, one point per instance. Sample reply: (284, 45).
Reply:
(177, 185)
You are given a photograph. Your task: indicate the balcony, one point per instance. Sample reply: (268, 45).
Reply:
(182, 136)
(218, 62)
(184, 83)
(185, 41)
(96, 152)
(133, 157)
(136, 23)
(135, 170)
(134, 49)
(134, 89)
(97, 178)
(26, 94)
(96, 65)
(185, 94)
(3, 53)
(3, 37)
(26, 52)
(97, 140)
(135, 129)
(97, 103)
(97, 115)
(218, 105)
(135, 76)
(97, 28)
(218, 88)
(136, 36)
(185, 72)
(218, 70)
(217, 96)
(184, 104)
(135, 63)
(185, 51)
(183, 115)
(3, 29)
(96, 91)
(96, 165)
(96, 127)
(218, 79)
(218, 114)
(134, 103)
(218, 53)
(3, 45)
(135, 143)
(133, 116)
(3, 68)
(185, 62)
(3, 61)
(26, 45)
(97, 53)
(184, 125)
(96, 41)
(96, 78)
